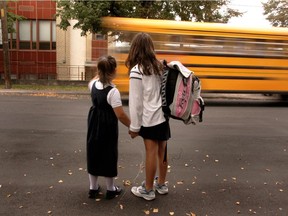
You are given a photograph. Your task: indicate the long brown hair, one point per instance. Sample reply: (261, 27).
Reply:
(142, 53)
(106, 68)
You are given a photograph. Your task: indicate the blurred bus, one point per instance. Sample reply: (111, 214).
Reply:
(226, 58)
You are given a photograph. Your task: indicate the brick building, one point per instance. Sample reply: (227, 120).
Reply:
(40, 50)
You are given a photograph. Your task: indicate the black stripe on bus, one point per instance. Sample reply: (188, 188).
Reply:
(235, 66)
(235, 77)
(241, 34)
(227, 55)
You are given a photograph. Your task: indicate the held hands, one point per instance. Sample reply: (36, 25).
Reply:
(133, 134)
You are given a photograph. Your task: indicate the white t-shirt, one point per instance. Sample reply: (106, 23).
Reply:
(113, 97)
(145, 104)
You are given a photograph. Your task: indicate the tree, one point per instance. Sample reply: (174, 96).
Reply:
(7, 21)
(89, 13)
(276, 12)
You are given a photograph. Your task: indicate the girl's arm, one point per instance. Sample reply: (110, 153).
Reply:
(121, 115)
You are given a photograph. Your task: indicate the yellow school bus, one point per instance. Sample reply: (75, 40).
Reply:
(226, 58)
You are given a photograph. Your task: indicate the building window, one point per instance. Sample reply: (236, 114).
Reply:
(12, 38)
(35, 34)
(98, 37)
(24, 34)
(53, 35)
(44, 35)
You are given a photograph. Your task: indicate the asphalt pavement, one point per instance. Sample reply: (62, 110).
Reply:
(234, 163)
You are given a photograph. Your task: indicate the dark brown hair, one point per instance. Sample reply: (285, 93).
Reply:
(142, 53)
(106, 68)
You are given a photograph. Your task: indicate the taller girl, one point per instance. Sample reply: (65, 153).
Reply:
(147, 117)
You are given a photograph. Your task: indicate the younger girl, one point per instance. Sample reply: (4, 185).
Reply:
(102, 136)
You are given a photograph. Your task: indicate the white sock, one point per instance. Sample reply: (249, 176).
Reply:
(93, 182)
(110, 183)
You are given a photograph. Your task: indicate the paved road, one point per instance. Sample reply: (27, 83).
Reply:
(234, 163)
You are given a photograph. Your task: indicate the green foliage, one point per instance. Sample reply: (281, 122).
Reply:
(11, 19)
(277, 12)
(89, 13)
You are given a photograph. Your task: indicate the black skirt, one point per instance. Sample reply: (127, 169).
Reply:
(158, 132)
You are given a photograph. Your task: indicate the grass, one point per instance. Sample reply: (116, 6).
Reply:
(48, 87)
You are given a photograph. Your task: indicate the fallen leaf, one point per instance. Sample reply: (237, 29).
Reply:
(155, 210)
(147, 212)
(49, 212)
(127, 183)
(171, 213)
(60, 181)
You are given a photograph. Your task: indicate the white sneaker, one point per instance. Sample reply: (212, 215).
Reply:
(141, 192)
(161, 189)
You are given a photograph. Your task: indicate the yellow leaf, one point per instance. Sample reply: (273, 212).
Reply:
(127, 183)
(147, 212)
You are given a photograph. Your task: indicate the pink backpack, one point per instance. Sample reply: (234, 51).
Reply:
(180, 91)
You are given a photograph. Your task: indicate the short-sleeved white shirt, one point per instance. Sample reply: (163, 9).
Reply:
(113, 97)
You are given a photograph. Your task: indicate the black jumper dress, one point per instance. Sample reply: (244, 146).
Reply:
(102, 136)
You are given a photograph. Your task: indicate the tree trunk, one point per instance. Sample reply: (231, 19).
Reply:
(6, 60)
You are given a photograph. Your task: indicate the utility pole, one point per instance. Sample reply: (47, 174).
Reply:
(6, 60)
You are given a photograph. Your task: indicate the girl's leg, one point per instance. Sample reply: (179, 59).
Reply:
(110, 183)
(151, 147)
(93, 180)
(163, 165)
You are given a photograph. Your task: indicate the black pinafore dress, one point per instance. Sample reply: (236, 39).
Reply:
(102, 135)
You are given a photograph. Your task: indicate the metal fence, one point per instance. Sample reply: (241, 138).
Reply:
(64, 73)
